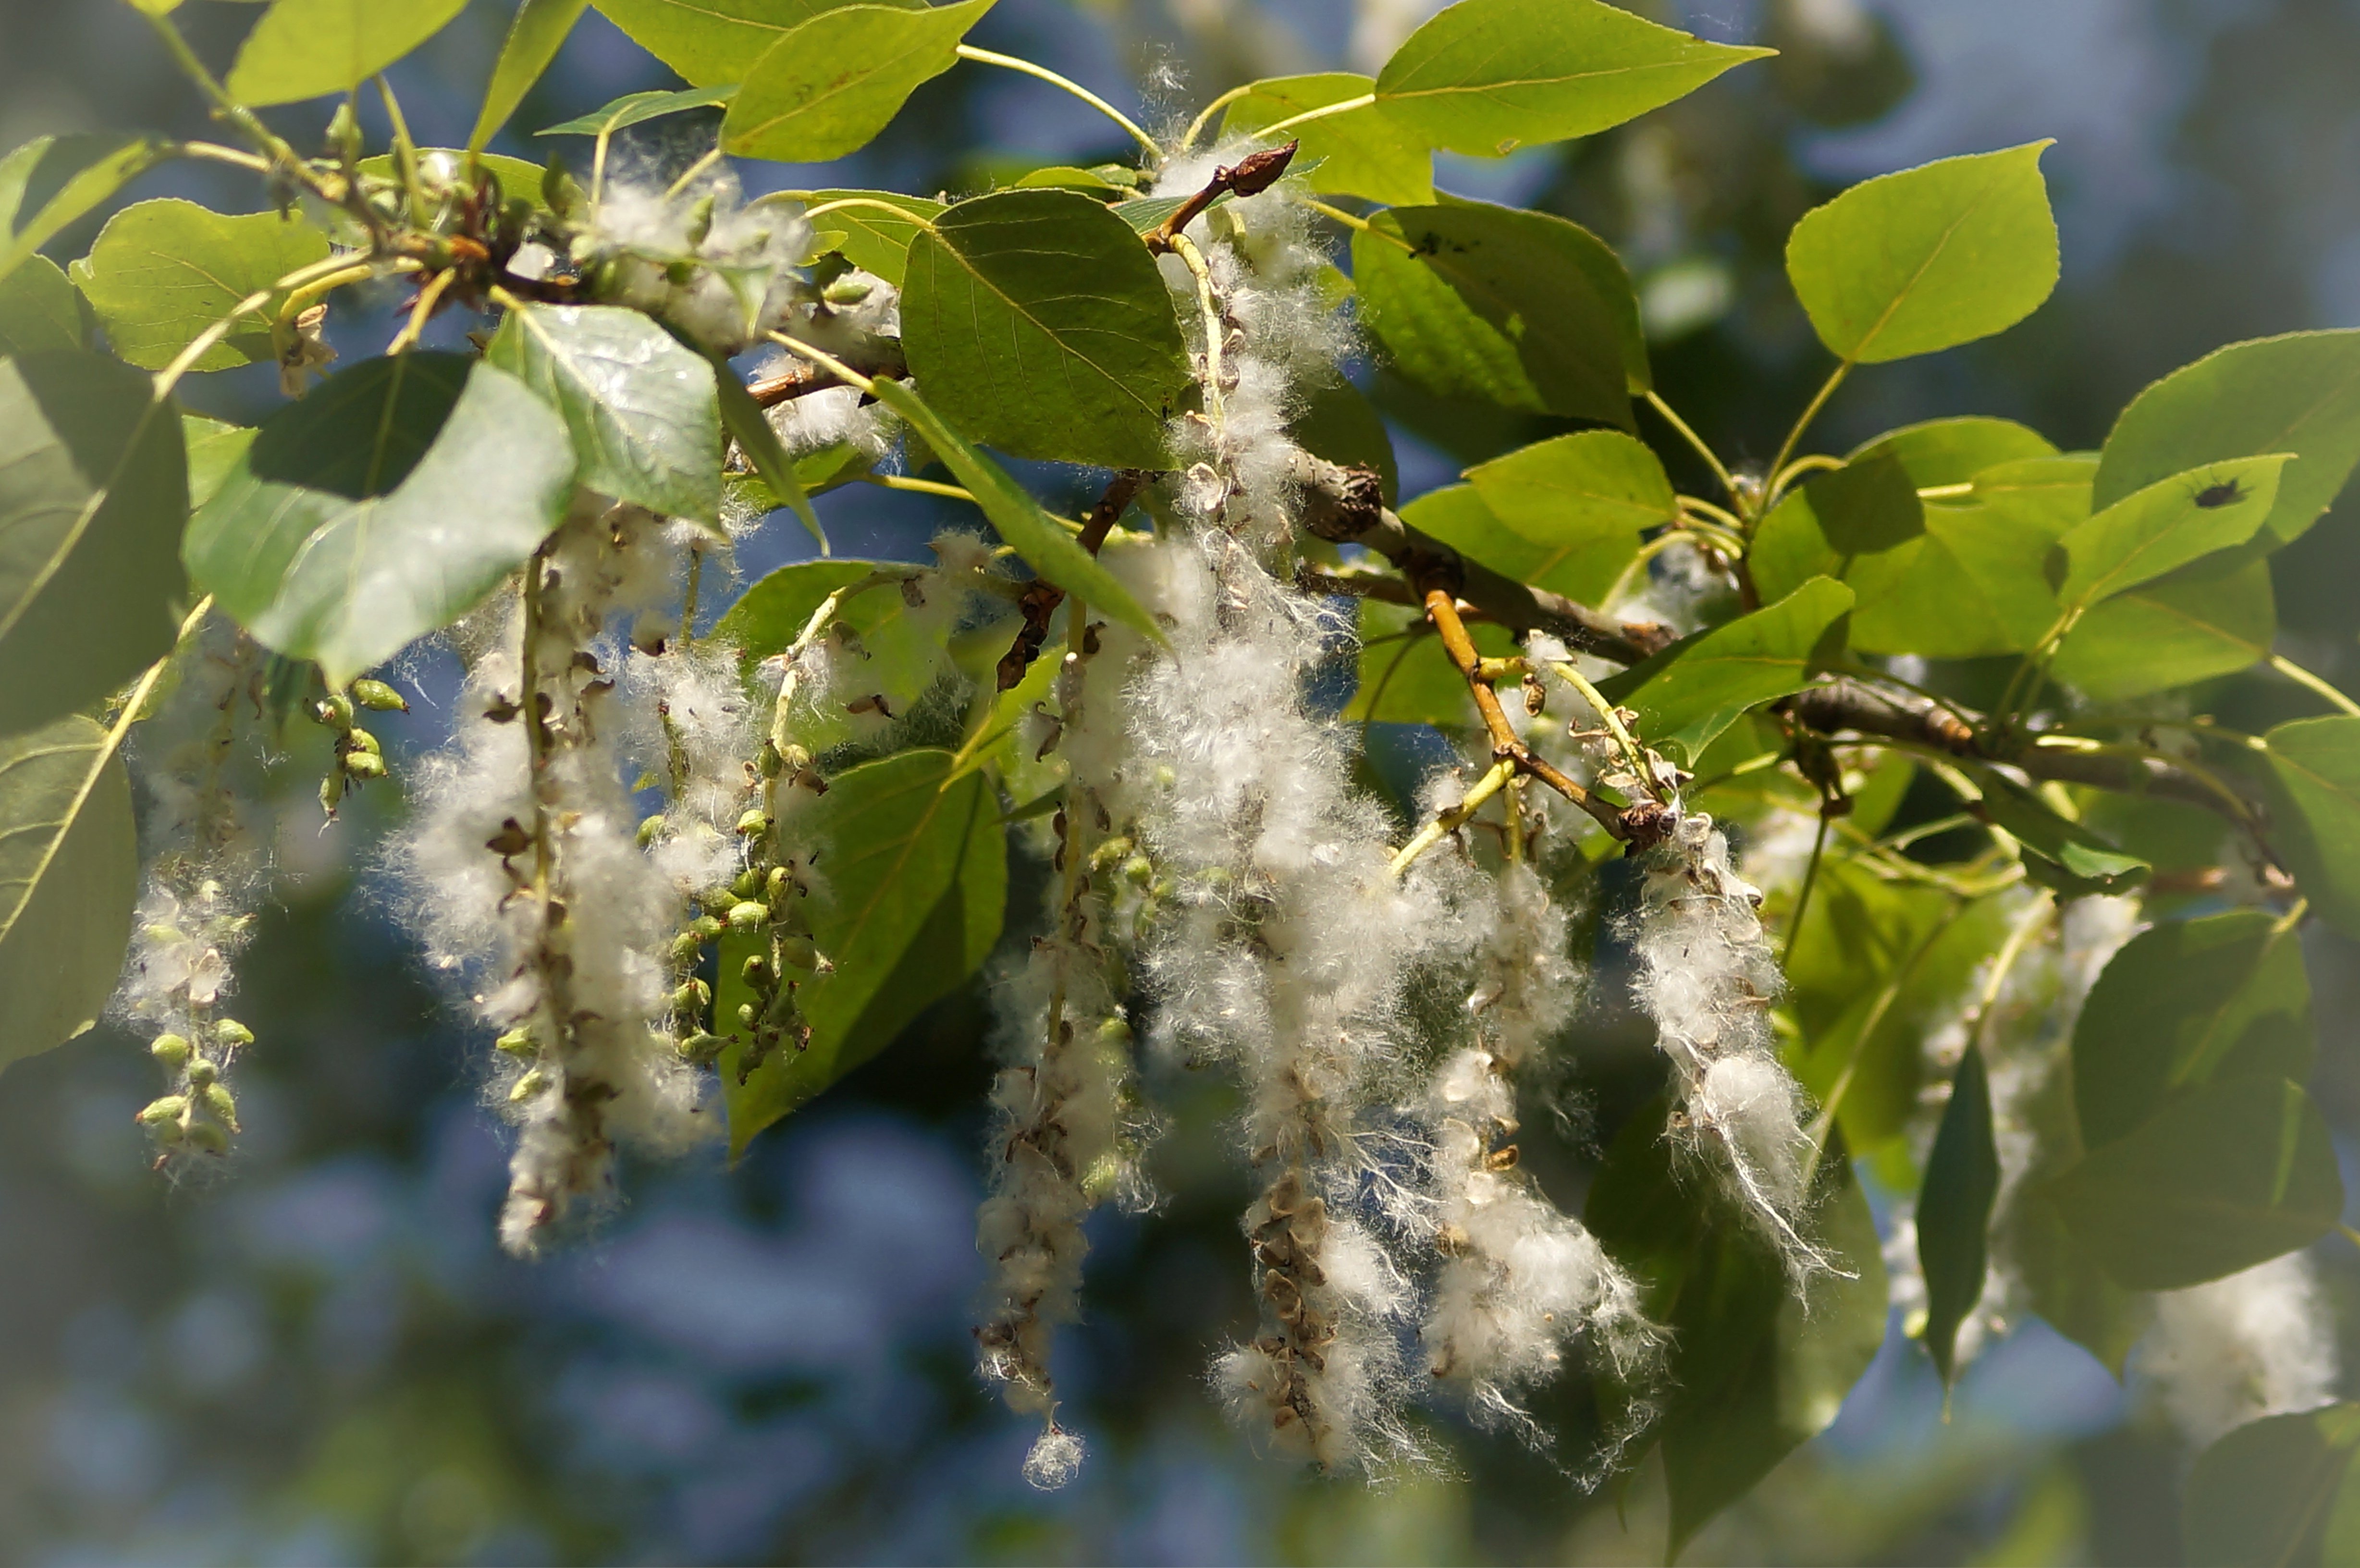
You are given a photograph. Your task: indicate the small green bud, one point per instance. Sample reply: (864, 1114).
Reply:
(170, 1108)
(693, 995)
(702, 1047)
(218, 1101)
(1139, 870)
(757, 971)
(848, 291)
(231, 1034)
(651, 831)
(378, 697)
(331, 790)
(209, 1137)
(345, 133)
(360, 740)
(365, 765)
(772, 762)
(706, 927)
(796, 758)
(166, 1133)
(745, 1014)
(754, 822)
(685, 949)
(748, 884)
(1108, 854)
(748, 916)
(517, 1041)
(335, 710)
(202, 1071)
(172, 1050)
(716, 900)
(798, 951)
(776, 884)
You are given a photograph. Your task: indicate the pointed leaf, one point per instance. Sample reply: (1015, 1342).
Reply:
(1954, 1209)
(2059, 855)
(51, 181)
(874, 241)
(380, 507)
(213, 448)
(2224, 1176)
(1488, 76)
(534, 38)
(901, 652)
(1585, 499)
(751, 428)
(304, 49)
(1973, 583)
(2211, 618)
(830, 84)
(93, 496)
(2164, 527)
(1939, 452)
(711, 42)
(2315, 813)
(68, 874)
(916, 875)
(1039, 324)
(1698, 686)
(162, 272)
(1362, 152)
(1928, 258)
(636, 108)
(641, 408)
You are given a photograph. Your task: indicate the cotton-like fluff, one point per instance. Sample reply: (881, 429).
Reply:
(1707, 978)
(1284, 950)
(686, 720)
(1521, 1281)
(2261, 1343)
(527, 884)
(1065, 1133)
(206, 871)
(697, 258)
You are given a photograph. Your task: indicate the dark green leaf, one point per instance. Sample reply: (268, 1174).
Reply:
(916, 873)
(68, 874)
(2224, 1176)
(1972, 583)
(1039, 324)
(2276, 1493)
(2164, 527)
(1337, 421)
(1585, 499)
(304, 49)
(93, 490)
(381, 507)
(1488, 76)
(1036, 535)
(715, 41)
(51, 181)
(161, 272)
(2315, 813)
(1458, 517)
(1954, 1209)
(39, 312)
(1941, 453)
(534, 38)
(1361, 152)
(2059, 855)
(830, 84)
(872, 240)
(633, 108)
(2189, 1002)
(2214, 617)
(1869, 505)
(1515, 307)
(1754, 1371)
(641, 408)
(2300, 393)
(1697, 688)
(213, 449)
(751, 430)
(1928, 258)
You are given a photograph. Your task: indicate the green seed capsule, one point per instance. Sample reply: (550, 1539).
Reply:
(745, 1014)
(1139, 870)
(378, 697)
(778, 883)
(208, 1137)
(798, 951)
(331, 790)
(706, 927)
(170, 1108)
(716, 900)
(335, 710)
(693, 997)
(747, 885)
(218, 1101)
(651, 831)
(365, 765)
(172, 1050)
(233, 1034)
(848, 291)
(748, 916)
(517, 1041)
(754, 822)
(770, 762)
(685, 949)
(201, 1072)
(757, 970)
(360, 740)
(531, 1084)
(702, 1047)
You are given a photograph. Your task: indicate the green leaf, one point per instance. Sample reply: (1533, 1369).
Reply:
(2211, 618)
(161, 272)
(2276, 1493)
(1585, 498)
(1953, 452)
(1362, 152)
(2164, 527)
(1972, 584)
(1458, 515)
(93, 494)
(2189, 1002)
(2078, 862)
(1039, 324)
(213, 449)
(51, 181)
(1488, 76)
(1867, 506)
(2222, 1178)
(751, 428)
(68, 875)
(1036, 535)
(901, 655)
(1405, 676)
(1954, 1209)
(711, 42)
(39, 311)
(830, 84)
(2315, 813)
(2062, 1280)
(1928, 258)
(916, 875)
(874, 241)
(634, 108)
(303, 49)
(1335, 421)
(380, 507)
(534, 38)
(1754, 1371)
(2300, 393)
(1518, 308)
(1698, 686)
(641, 408)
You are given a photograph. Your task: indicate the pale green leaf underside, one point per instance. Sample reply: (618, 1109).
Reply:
(68, 874)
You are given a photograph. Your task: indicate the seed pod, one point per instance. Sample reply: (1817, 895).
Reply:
(747, 885)
(357, 739)
(207, 1136)
(849, 290)
(517, 1041)
(651, 831)
(1139, 870)
(772, 762)
(685, 949)
(748, 916)
(331, 790)
(693, 995)
(799, 952)
(201, 1072)
(701, 1047)
(378, 697)
(335, 710)
(170, 1108)
(231, 1034)
(753, 822)
(706, 927)
(716, 901)
(172, 1050)
(531, 1084)
(365, 765)
(218, 1101)
(746, 1015)
(757, 971)
(776, 886)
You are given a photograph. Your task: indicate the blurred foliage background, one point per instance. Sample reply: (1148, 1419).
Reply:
(319, 1355)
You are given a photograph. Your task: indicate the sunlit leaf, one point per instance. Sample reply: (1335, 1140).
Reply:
(534, 38)
(69, 872)
(161, 272)
(51, 181)
(2164, 527)
(1585, 498)
(828, 85)
(872, 240)
(1698, 686)
(304, 49)
(712, 42)
(1362, 152)
(641, 408)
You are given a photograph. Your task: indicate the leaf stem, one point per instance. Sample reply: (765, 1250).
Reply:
(1451, 821)
(825, 361)
(1712, 461)
(918, 486)
(1572, 675)
(1811, 411)
(428, 298)
(1812, 464)
(1352, 220)
(841, 202)
(405, 151)
(1326, 111)
(194, 68)
(216, 153)
(2317, 684)
(1803, 897)
(692, 171)
(1442, 609)
(1205, 116)
(1043, 74)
